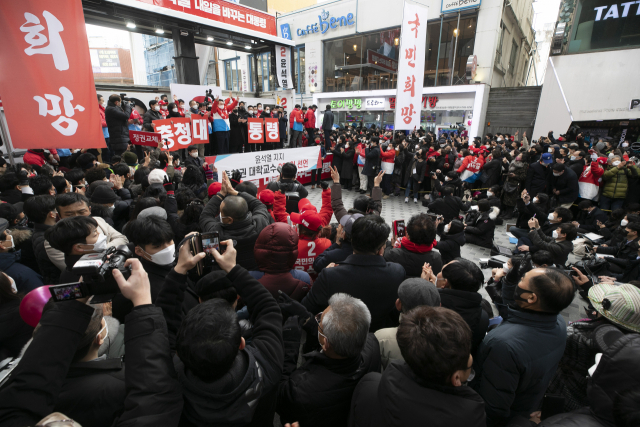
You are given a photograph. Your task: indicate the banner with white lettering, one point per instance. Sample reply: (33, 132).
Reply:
(283, 66)
(411, 66)
(264, 164)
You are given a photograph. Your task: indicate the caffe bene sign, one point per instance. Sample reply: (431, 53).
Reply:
(456, 5)
(325, 23)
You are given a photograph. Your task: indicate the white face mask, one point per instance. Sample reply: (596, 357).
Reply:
(103, 104)
(624, 222)
(550, 150)
(474, 208)
(489, 194)
(157, 108)
(175, 110)
(177, 162)
(14, 288)
(446, 178)
(535, 200)
(446, 228)
(194, 154)
(250, 111)
(594, 157)
(551, 217)
(220, 106)
(554, 234)
(164, 107)
(111, 208)
(165, 256)
(506, 268)
(266, 111)
(27, 190)
(611, 155)
(100, 244)
(616, 163)
(625, 144)
(573, 158)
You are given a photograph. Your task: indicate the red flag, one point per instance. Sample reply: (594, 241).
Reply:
(256, 131)
(272, 130)
(45, 67)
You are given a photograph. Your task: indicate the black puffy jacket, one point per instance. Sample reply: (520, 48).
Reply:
(117, 118)
(480, 231)
(50, 273)
(413, 261)
(469, 306)
(449, 246)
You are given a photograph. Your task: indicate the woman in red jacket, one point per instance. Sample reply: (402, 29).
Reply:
(387, 155)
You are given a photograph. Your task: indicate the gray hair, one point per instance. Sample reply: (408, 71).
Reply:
(346, 325)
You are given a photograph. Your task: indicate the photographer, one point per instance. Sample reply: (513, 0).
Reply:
(371, 163)
(117, 116)
(152, 392)
(560, 244)
(290, 186)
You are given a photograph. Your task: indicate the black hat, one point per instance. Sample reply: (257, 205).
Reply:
(23, 177)
(103, 194)
(211, 283)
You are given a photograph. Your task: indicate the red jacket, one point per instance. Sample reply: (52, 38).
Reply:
(32, 158)
(296, 114)
(311, 119)
(471, 163)
(102, 118)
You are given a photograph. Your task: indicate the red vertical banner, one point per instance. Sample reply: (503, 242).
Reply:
(256, 131)
(200, 129)
(45, 68)
(272, 130)
(174, 132)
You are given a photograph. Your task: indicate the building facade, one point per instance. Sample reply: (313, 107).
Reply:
(347, 53)
(590, 79)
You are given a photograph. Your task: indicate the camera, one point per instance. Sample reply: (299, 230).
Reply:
(97, 278)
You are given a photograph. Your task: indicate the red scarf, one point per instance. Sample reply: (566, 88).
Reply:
(412, 247)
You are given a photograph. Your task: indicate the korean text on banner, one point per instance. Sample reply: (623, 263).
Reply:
(272, 130)
(45, 67)
(256, 131)
(283, 66)
(264, 164)
(175, 133)
(411, 67)
(150, 139)
(200, 129)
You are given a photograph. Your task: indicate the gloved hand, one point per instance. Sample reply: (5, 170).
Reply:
(208, 172)
(236, 177)
(291, 307)
(168, 186)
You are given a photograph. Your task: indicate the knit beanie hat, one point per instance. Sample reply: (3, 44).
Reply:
(130, 158)
(104, 195)
(214, 188)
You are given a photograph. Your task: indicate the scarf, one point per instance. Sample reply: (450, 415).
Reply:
(412, 247)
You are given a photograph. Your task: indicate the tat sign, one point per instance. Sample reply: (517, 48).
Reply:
(44, 64)
(411, 66)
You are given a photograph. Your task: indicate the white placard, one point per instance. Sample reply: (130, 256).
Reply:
(283, 66)
(411, 66)
(375, 103)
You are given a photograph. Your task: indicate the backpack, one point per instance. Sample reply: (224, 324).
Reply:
(291, 191)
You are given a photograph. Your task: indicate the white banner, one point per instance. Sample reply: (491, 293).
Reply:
(283, 66)
(189, 92)
(264, 164)
(411, 66)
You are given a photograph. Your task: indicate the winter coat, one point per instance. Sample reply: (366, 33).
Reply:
(372, 161)
(50, 273)
(236, 138)
(589, 181)
(23, 241)
(335, 253)
(327, 121)
(519, 169)
(276, 251)
(516, 361)
(449, 207)
(616, 181)
(338, 159)
(318, 393)
(398, 166)
(420, 169)
(387, 161)
(413, 261)
(339, 209)
(26, 279)
(559, 250)
(577, 166)
(347, 162)
(117, 118)
(449, 245)
(245, 394)
(526, 212)
(589, 221)
(245, 231)
(14, 333)
(397, 397)
(296, 119)
(566, 184)
(493, 171)
(368, 277)
(150, 116)
(480, 231)
(446, 162)
(469, 306)
(537, 179)
(310, 117)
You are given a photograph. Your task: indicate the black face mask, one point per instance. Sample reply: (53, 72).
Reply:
(518, 292)
(23, 222)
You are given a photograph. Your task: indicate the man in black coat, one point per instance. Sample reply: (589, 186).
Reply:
(563, 184)
(449, 206)
(371, 162)
(318, 393)
(117, 116)
(538, 175)
(587, 220)
(290, 186)
(153, 393)
(42, 211)
(577, 162)
(560, 244)
(364, 275)
(327, 126)
(416, 247)
(341, 249)
(412, 391)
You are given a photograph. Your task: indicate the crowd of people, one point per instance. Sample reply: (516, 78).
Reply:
(325, 322)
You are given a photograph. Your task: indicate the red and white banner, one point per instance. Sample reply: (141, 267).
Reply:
(272, 130)
(256, 131)
(174, 132)
(381, 60)
(283, 66)
(217, 10)
(413, 38)
(45, 68)
(150, 139)
(200, 128)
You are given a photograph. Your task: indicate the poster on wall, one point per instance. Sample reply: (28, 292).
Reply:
(285, 99)
(283, 66)
(105, 61)
(411, 66)
(313, 63)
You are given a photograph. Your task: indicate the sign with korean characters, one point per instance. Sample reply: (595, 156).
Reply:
(411, 66)
(255, 130)
(271, 130)
(283, 66)
(45, 71)
(174, 132)
(264, 164)
(150, 139)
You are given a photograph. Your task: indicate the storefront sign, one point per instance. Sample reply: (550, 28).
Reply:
(456, 5)
(374, 103)
(614, 12)
(105, 61)
(283, 66)
(431, 100)
(609, 23)
(413, 37)
(285, 31)
(313, 61)
(325, 23)
(380, 60)
(634, 103)
(49, 97)
(347, 103)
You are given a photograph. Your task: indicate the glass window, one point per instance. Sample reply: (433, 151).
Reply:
(501, 42)
(299, 68)
(466, 41)
(263, 71)
(605, 24)
(512, 57)
(232, 74)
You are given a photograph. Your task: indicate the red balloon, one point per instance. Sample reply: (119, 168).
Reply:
(32, 304)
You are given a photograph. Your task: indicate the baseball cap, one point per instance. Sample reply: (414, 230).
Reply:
(214, 188)
(309, 219)
(347, 222)
(619, 304)
(157, 176)
(547, 158)
(305, 204)
(267, 197)
(602, 160)
(415, 292)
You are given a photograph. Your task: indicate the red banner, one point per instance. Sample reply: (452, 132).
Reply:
(272, 130)
(256, 131)
(45, 67)
(380, 60)
(200, 129)
(150, 139)
(174, 132)
(221, 11)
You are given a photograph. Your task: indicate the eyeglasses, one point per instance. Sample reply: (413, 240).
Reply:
(318, 318)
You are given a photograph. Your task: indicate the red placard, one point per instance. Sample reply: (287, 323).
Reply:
(272, 130)
(200, 128)
(174, 132)
(256, 131)
(221, 11)
(45, 68)
(150, 139)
